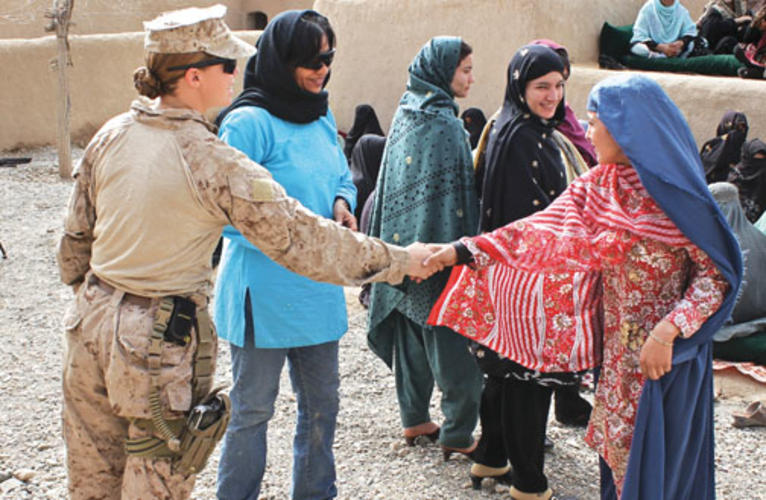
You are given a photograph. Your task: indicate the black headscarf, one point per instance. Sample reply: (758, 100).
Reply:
(750, 178)
(365, 122)
(473, 121)
(364, 166)
(269, 80)
(720, 154)
(524, 170)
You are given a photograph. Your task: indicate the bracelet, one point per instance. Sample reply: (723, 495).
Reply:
(659, 340)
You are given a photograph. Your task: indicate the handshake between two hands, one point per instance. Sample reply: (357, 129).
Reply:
(427, 259)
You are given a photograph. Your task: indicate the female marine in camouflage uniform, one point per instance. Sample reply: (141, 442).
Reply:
(151, 196)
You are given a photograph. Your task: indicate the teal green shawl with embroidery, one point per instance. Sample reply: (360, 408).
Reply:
(425, 189)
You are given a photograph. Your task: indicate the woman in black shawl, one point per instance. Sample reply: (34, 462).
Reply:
(723, 24)
(750, 178)
(524, 139)
(721, 153)
(525, 172)
(365, 122)
(365, 165)
(473, 122)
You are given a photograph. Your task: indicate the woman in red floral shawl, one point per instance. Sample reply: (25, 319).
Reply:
(669, 282)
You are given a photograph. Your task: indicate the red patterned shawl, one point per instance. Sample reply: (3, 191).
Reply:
(592, 224)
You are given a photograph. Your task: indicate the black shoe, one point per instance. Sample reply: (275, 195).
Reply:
(501, 475)
(571, 408)
(547, 444)
(447, 453)
(750, 73)
(609, 62)
(411, 440)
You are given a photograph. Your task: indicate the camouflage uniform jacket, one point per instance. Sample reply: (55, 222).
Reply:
(154, 190)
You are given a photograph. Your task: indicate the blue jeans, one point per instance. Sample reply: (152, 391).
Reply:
(315, 381)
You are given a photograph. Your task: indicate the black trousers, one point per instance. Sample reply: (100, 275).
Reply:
(514, 415)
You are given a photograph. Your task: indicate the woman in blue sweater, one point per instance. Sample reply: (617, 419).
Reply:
(267, 313)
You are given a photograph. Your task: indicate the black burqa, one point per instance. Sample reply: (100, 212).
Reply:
(524, 171)
(721, 153)
(364, 166)
(269, 80)
(750, 178)
(365, 122)
(473, 121)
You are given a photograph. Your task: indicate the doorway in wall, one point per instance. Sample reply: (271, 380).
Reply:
(257, 20)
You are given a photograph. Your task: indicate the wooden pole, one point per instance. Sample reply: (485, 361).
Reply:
(60, 16)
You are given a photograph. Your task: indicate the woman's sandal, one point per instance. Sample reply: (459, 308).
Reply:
(520, 495)
(544, 495)
(479, 472)
(432, 436)
(447, 451)
(753, 416)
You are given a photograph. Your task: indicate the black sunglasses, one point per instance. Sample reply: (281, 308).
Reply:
(321, 58)
(229, 65)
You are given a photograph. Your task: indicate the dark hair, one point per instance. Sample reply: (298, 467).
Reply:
(306, 42)
(564, 55)
(465, 51)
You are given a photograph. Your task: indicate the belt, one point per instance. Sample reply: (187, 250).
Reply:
(129, 298)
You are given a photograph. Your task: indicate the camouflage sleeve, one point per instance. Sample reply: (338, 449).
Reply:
(73, 254)
(281, 227)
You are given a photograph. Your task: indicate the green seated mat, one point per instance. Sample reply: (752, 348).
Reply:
(743, 349)
(615, 42)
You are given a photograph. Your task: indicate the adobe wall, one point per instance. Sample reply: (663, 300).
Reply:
(238, 9)
(26, 18)
(101, 85)
(378, 39)
(702, 99)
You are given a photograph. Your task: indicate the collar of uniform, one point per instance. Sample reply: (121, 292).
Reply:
(149, 111)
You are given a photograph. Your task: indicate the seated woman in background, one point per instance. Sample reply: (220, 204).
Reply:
(761, 223)
(669, 282)
(365, 122)
(752, 50)
(663, 28)
(744, 337)
(750, 178)
(721, 154)
(723, 24)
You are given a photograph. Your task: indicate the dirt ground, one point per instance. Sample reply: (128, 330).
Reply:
(372, 461)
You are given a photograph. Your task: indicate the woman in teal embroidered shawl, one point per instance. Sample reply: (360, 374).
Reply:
(426, 192)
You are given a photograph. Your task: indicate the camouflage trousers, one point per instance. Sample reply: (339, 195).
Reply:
(106, 386)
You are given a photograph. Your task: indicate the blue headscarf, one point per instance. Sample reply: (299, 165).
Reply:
(662, 24)
(671, 455)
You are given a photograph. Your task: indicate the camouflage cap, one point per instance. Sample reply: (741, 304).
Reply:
(194, 30)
